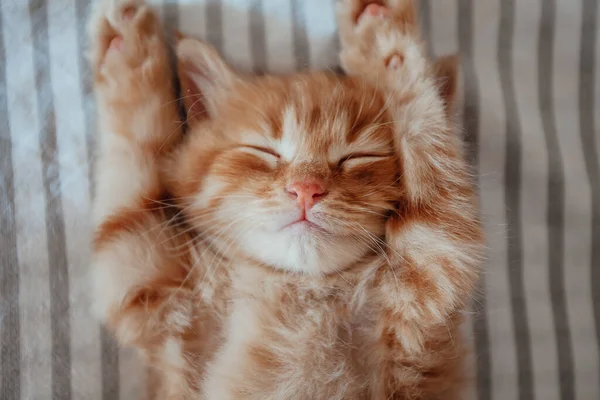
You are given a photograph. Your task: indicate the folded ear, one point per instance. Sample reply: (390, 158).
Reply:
(205, 78)
(446, 73)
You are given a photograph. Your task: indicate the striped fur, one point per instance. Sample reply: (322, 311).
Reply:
(389, 257)
(559, 312)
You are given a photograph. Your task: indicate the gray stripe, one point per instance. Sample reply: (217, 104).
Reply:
(58, 269)
(110, 366)
(471, 129)
(471, 99)
(82, 8)
(337, 48)
(171, 13)
(10, 340)
(109, 350)
(588, 139)
(425, 20)
(300, 36)
(152, 383)
(512, 201)
(482, 344)
(214, 24)
(555, 213)
(257, 37)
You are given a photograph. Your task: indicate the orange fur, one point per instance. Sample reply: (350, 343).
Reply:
(215, 283)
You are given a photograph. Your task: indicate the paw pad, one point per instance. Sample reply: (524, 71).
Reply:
(117, 43)
(121, 13)
(372, 10)
(395, 61)
(376, 10)
(128, 12)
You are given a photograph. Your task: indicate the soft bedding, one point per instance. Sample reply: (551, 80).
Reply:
(529, 112)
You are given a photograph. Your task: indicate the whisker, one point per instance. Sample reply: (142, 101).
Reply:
(179, 99)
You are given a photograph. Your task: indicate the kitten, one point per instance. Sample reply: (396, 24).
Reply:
(309, 237)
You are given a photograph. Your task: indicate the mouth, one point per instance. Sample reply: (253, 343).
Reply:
(304, 224)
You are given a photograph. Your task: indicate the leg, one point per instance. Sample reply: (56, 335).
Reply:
(437, 222)
(435, 242)
(137, 108)
(139, 280)
(382, 45)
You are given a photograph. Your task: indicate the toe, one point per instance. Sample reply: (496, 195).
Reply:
(395, 61)
(122, 13)
(376, 10)
(117, 43)
(373, 10)
(128, 12)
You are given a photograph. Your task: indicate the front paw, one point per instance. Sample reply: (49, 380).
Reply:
(377, 37)
(152, 314)
(126, 37)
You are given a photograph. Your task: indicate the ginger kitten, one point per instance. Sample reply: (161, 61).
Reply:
(309, 237)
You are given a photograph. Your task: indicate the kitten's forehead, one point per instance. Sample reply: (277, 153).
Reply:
(333, 127)
(303, 137)
(313, 117)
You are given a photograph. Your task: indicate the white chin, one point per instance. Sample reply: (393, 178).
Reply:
(303, 249)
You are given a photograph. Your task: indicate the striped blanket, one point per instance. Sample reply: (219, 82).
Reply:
(530, 114)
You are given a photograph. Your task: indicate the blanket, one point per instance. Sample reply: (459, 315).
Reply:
(529, 112)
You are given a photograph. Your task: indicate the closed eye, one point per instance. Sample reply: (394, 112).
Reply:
(361, 158)
(262, 152)
(261, 149)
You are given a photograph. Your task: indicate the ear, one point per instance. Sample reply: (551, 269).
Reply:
(446, 73)
(205, 78)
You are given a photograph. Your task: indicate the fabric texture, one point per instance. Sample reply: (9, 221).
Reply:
(529, 111)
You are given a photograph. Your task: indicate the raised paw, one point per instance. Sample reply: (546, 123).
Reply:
(402, 12)
(133, 78)
(377, 36)
(125, 34)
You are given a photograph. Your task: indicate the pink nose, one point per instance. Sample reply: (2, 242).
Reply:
(307, 192)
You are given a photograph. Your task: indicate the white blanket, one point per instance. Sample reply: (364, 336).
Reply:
(531, 114)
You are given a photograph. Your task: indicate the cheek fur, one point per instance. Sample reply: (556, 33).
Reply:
(245, 168)
(228, 183)
(242, 182)
(369, 181)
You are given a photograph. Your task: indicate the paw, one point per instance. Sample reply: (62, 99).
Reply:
(151, 313)
(353, 14)
(124, 34)
(377, 36)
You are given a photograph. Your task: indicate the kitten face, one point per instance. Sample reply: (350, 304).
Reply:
(297, 173)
